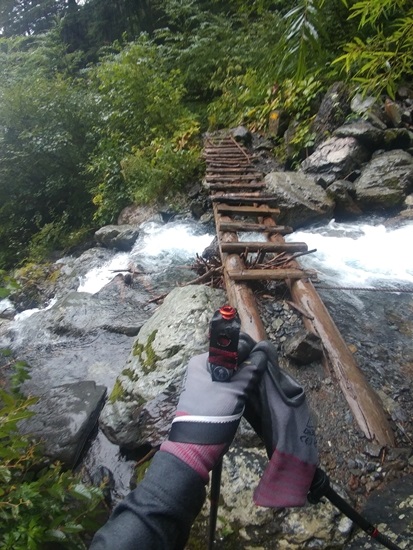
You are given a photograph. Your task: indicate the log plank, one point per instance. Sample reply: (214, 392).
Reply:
(363, 401)
(255, 246)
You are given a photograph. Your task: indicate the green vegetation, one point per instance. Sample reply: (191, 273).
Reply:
(103, 104)
(146, 353)
(39, 503)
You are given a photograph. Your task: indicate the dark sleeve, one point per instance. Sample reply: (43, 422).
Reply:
(159, 513)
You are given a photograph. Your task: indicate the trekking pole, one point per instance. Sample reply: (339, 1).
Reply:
(214, 503)
(320, 487)
(225, 327)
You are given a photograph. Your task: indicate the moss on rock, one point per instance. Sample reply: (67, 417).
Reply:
(146, 353)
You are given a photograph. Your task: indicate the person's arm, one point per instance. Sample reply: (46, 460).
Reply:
(159, 513)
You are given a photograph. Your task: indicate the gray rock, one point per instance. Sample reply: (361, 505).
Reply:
(304, 347)
(177, 331)
(346, 207)
(338, 156)
(365, 132)
(242, 134)
(391, 510)
(7, 309)
(301, 201)
(135, 215)
(385, 181)
(332, 112)
(116, 308)
(397, 138)
(369, 109)
(120, 237)
(65, 417)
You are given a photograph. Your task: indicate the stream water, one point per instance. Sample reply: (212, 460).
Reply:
(374, 310)
(162, 251)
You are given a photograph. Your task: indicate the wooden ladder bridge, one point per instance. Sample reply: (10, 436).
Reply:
(242, 203)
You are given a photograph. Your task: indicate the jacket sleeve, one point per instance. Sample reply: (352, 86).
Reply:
(159, 513)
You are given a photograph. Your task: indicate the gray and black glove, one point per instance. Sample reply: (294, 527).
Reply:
(208, 413)
(279, 413)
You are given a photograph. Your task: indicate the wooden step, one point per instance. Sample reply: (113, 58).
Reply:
(233, 177)
(270, 274)
(229, 163)
(257, 246)
(227, 149)
(259, 227)
(262, 210)
(244, 198)
(228, 170)
(247, 210)
(228, 186)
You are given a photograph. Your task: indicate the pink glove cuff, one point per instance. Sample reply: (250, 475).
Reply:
(201, 458)
(285, 482)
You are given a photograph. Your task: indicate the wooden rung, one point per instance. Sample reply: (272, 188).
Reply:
(229, 163)
(229, 170)
(228, 186)
(244, 198)
(224, 151)
(233, 177)
(248, 210)
(242, 226)
(269, 274)
(255, 246)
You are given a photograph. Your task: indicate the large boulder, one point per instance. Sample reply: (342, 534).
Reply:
(135, 215)
(300, 199)
(333, 111)
(120, 237)
(365, 132)
(338, 157)
(385, 181)
(65, 417)
(341, 192)
(116, 308)
(177, 331)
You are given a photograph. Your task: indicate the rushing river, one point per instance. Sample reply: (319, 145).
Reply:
(360, 254)
(161, 251)
(365, 278)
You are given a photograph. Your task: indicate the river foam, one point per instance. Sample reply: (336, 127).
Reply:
(359, 253)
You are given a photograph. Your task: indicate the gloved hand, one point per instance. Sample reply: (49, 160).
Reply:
(208, 413)
(279, 413)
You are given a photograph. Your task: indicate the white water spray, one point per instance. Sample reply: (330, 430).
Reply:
(359, 254)
(158, 248)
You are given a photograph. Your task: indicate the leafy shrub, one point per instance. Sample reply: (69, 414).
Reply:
(144, 123)
(159, 170)
(38, 504)
(7, 284)
(379, 57)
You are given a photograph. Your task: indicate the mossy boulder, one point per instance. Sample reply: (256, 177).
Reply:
(155, 367)
(385, 181)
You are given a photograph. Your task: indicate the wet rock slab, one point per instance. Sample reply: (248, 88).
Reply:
(391, 510)
(65, 418)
